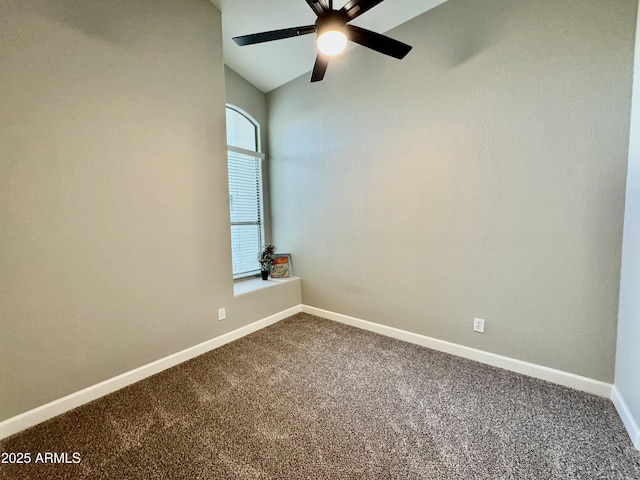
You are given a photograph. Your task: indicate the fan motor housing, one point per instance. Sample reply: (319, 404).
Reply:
(333, 20)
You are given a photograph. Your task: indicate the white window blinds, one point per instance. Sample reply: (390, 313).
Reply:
(247, 213)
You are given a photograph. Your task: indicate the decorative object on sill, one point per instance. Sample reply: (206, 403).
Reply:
(265, 258)
(281, 265)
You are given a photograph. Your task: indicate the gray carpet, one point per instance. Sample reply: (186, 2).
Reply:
(311, 398)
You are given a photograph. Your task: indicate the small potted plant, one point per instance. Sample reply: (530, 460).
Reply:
(265, 258)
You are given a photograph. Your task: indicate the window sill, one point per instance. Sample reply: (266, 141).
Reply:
(248, 285)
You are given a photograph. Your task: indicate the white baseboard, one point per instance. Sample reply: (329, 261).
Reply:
(627, 418)
(45, 412)
(559, 377)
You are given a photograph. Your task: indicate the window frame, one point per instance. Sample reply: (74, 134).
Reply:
(260, 156)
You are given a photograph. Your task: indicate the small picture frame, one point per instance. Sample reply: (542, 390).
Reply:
(281, 265)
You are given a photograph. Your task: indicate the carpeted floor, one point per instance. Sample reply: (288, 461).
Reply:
(311, 398)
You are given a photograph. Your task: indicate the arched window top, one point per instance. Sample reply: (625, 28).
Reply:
(242, 130)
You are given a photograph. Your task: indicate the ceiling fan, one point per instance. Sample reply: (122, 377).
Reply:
(332, 33)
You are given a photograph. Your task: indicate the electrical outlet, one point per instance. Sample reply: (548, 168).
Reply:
(222, 313)
(478, 325)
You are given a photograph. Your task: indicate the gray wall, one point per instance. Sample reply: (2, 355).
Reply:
(482, 176)
(114, 220)
(627, 378)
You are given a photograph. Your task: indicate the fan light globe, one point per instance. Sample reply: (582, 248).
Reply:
(332, 42)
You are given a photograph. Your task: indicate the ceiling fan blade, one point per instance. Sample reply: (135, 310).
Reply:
(355, 8)
(274, 35)
(379, 43)
(320, 67)
(318, 6)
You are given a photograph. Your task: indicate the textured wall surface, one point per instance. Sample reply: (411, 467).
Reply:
(114, 211)
(628, 352)
(482, 176)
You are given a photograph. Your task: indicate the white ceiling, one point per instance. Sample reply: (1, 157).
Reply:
(269, 65)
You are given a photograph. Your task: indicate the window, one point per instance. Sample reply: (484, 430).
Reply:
(245, 192)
